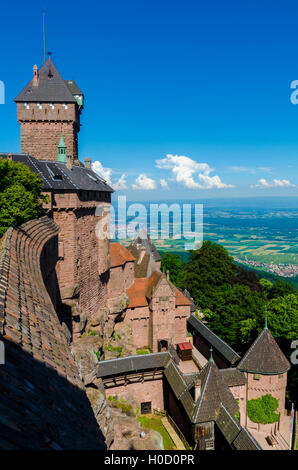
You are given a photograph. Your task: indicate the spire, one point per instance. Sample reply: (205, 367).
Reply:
(62, 155)
(266, 320)
(211, 357)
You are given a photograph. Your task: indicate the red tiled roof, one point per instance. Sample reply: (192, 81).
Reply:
(119, 255)
(142, 288)
(136, 293)
(180, 298)
(152, 282)
(184, 346)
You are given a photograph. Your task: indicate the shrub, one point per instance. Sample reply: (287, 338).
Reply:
(262, 410)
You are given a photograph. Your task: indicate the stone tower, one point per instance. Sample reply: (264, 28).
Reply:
(46, 108)
(265, 367)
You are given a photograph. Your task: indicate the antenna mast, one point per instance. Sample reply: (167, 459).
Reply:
(44, 37)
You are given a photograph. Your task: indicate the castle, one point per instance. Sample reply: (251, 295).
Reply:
(58, 269)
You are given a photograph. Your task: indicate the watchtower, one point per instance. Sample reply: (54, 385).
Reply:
(46, 108)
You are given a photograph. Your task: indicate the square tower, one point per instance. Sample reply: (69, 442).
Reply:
(46, 108)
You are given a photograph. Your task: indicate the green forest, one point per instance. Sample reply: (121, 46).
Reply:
(234, 300)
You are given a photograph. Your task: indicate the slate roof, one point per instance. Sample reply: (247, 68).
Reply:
(214, 392)
(142, 240)
(73, 87)
(233, 377)
(223, 348)
(51, 87)
(245, 441)
(141, 267)
(132, 364)
(234, 433)
(264, 356)
(228, 425)
(188, 296)
(56, 175)
(119, 255)
(180, 388)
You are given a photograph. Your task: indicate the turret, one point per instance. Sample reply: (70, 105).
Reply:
(62, 155)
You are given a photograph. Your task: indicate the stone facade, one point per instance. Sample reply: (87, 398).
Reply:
(41, 130)
(259, 385)
(81, 268)
(143, 392)
(156, 311)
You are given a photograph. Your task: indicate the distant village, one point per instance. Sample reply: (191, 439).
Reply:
(282, 269)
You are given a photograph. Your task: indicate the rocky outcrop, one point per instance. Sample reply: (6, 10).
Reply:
(86, 352)
(130, 435)
(120, 343)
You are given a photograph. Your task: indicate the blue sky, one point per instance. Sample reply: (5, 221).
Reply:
(183, 99)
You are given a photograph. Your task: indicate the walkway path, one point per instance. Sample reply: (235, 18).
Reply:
(177, 441)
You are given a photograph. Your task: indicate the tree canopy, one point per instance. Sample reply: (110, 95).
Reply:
(20, 194)
(234, 300)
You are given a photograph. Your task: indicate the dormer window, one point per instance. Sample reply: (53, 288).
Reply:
(39, 106)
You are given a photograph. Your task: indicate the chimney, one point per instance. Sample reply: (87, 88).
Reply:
(69, 162)
(198, 387)
(35, 76)
(87, 162)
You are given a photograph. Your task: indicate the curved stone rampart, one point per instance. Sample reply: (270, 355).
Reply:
(43, 403)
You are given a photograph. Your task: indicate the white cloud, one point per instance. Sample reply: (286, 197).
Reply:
(263, 183)
(105, 173)
(164, 184)
(121, 183)
(184, 170)
(143, 182)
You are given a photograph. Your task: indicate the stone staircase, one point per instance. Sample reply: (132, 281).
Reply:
(282, 444)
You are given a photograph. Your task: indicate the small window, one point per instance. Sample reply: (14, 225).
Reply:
(146, 407)
(209, 444)
(257, 377)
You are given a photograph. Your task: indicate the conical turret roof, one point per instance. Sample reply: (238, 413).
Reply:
(264, 356)
(214, 393)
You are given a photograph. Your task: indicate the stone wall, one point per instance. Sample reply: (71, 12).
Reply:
(147, 391)
(239, 393)
(273, 384)
(41, 129)
(83, 258)
(43, 401)
(138, 320)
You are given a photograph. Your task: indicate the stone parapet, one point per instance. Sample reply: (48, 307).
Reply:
(43, 402)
